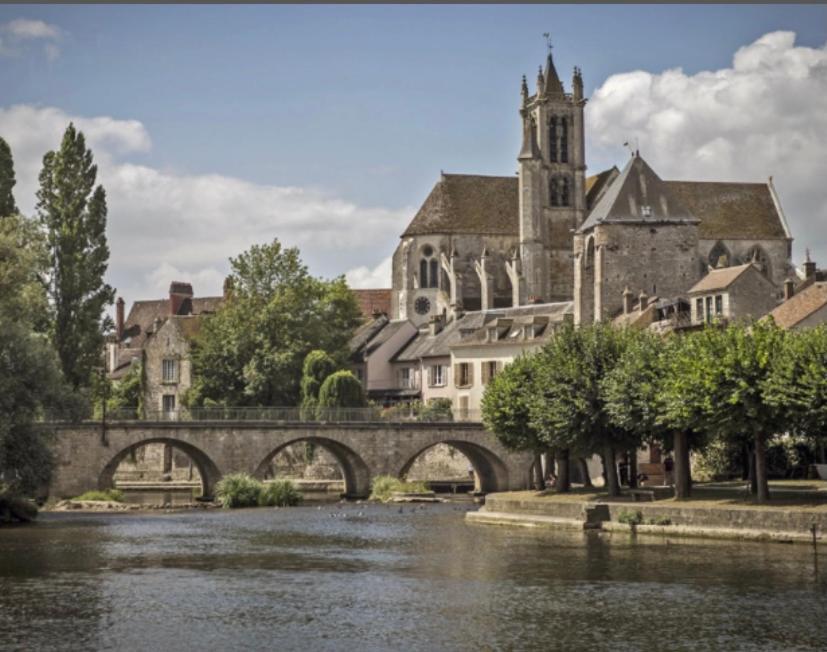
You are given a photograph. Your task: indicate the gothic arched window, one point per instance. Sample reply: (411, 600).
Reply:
(564, 140)
(428, 268)
(564, 191)
(719, 256)
(560, 190)
(552, 139)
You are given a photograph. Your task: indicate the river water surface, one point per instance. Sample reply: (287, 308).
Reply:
(379, 577)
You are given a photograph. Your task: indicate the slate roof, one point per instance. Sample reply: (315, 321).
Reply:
(373, 300)
(720, 279)
(731, 210)
(470, 328)
(597, 183)
(800, 305)
(466, 203)
(638, 195)
(363, 335)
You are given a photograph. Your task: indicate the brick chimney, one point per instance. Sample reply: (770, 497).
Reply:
(789, 289)
(627, 300)
(119, 308)
(178, 293)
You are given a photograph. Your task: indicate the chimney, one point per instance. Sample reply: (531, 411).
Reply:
(789, 289)
(178, 293)
(627, 300)
(809, 267)
(119, 307)
(228, 288)
(435, 325)
(644, 300)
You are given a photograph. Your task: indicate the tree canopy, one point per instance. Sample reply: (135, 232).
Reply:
(342, 389)
(7, 181)
(251, 352)
(73, 211)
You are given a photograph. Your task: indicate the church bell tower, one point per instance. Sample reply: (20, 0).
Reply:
(552, 172)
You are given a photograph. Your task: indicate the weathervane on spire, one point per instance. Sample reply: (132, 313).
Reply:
(547, 36)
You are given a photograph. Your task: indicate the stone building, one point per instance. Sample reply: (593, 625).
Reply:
(729, 293)
(552, 234)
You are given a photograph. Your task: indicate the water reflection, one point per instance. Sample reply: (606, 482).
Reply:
(368, 577)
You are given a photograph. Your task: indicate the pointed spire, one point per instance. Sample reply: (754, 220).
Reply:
(551, 82)
(577, 84)
(524, 92)
(529, 150)
(541, 84)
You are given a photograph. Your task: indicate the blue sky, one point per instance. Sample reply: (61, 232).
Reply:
(359, 104)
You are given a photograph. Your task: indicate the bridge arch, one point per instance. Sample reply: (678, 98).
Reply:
(208, 470)
(355, 471)
(492, 473)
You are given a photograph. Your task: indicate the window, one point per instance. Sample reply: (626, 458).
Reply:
(719, 304)
(699, 309)
(646, 211)
(463, 408)
(489, 370)
(168, 402)
(169, 370)
(436, 375)
(564, 140)
(559, 191)
(405, 378)
(464, 374)
(709, 309)
(360, 375)
(564, 191)
(552, 139)
(428, 268)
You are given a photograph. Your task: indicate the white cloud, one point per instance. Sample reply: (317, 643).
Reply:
(365, 277)
(21, 30)
(166, 226)
(766, 115)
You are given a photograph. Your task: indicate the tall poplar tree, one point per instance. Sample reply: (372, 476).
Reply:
(7, 181)
(73, 210)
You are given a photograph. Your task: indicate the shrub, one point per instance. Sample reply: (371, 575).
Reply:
(437, 409)
(660, 520)
(383, 486)
(280, 493)
(238, 490)
(630, 518)
(341, 389)
(109, 495)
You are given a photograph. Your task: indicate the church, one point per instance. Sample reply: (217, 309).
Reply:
(554, 234)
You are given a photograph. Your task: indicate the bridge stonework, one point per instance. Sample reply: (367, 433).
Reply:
(87, 455)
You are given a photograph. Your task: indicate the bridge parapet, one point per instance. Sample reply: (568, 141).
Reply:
(87, 454)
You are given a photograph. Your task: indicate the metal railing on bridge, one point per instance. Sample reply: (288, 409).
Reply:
(395, 414)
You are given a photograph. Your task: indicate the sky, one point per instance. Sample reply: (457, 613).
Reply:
(217, 127)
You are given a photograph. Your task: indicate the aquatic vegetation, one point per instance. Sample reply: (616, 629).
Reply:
(280, 493)
(109, 495)
(383, 487)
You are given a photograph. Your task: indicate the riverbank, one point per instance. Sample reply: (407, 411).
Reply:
(710, 514)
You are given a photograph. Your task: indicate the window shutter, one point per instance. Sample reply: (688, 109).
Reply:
(470, 382)
(457, 379)
(485, 375)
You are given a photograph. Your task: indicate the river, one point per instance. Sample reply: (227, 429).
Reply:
(381, 577)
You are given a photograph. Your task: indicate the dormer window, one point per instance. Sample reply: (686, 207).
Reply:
(492, 334)
(646, 211)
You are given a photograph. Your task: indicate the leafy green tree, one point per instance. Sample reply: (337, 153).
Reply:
(7, 181)
(30, 380)
(126, 395)
(73, 211)
(798, 383)
(251, 352)
(569, 410)
(506, 409)
(718, 385)
(318, 365)
(341, 389)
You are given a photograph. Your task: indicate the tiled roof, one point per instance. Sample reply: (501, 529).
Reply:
(720, 279)
(800, 305)
(143, 314)
(374, 300)
(465, 203)
(731, 210)
(637, 195)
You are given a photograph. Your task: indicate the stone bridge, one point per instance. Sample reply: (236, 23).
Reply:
(87, 455)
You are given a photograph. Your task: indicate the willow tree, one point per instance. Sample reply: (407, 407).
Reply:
(72, 208)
